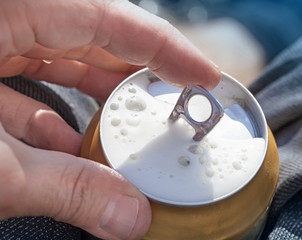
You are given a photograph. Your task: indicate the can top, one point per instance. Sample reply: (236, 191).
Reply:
(161, 158)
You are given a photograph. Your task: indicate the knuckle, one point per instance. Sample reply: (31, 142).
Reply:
(168, 31)
(75, 198)
(12, 181)
(14, 43)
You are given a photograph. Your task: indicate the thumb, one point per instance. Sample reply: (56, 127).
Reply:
(74, 190)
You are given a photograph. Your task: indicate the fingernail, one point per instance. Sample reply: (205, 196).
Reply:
(120, 216)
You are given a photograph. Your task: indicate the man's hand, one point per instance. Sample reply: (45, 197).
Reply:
(88, 195)
(86, 31)
(91, 45)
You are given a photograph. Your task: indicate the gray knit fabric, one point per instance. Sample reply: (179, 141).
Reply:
(82, 106)
(289, 223)
(34, 228)
(279, 92)
(41, 93)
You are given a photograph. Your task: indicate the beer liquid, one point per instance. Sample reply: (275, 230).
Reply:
(161, 158)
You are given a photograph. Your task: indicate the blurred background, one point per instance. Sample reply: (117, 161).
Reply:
(240, 36)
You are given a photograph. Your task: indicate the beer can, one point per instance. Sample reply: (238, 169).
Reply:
(218, 188)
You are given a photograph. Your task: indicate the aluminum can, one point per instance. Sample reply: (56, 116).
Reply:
(240, 214)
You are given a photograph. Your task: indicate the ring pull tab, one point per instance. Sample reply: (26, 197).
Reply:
(181, 110)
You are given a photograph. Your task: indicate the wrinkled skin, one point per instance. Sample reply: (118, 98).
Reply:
(91, 45)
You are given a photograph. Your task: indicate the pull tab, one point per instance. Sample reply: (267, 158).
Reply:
(181, 110)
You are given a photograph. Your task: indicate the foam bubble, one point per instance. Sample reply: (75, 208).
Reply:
(135, 103)
(210, 172)
(184, 161)
(215, 161)
(213, 145)
(202, 159)
(195, 149)
(133, 120)
(133, 156)
(237, 165)
(115, 122)
(114, 106)
(124, 132)
(132, 90)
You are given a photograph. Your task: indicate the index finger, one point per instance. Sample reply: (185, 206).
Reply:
(120, 27)
(139, 37)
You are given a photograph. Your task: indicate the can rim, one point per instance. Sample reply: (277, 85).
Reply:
(262, 131)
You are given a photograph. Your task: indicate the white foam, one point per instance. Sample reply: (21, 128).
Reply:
(160, 157)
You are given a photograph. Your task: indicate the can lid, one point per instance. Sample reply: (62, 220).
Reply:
(159, 156)
(181, 109)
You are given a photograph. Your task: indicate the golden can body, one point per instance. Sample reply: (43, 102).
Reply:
(240, 216)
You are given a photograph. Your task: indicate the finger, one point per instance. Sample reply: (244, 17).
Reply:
(73, 190)
(91, 55)
(13, 66)
(93, 81)
(121, 28)
(96, 82)
(144, 39)
(35, 123)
